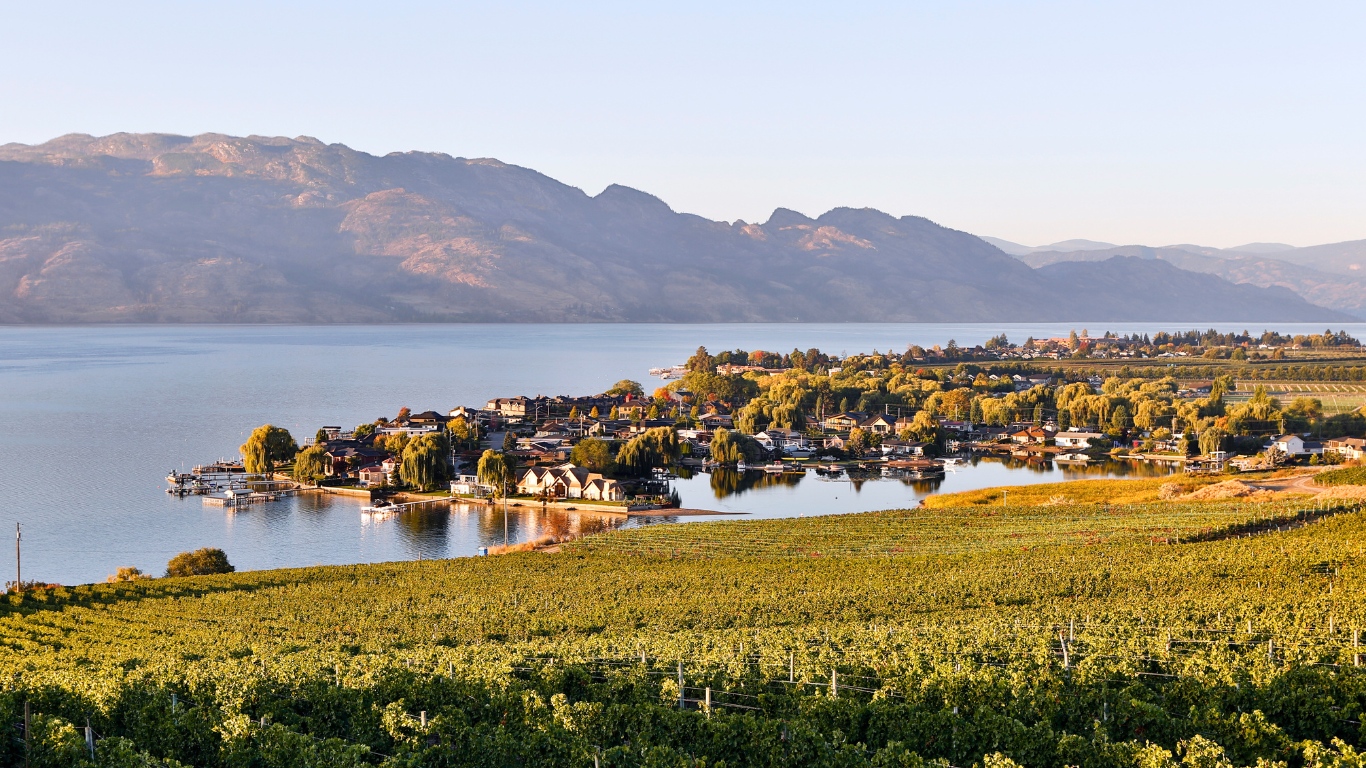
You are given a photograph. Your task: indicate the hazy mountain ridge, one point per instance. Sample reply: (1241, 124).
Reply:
(213, 228)
(1335, 291)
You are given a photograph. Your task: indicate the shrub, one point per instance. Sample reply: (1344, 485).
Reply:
(127, 573)
(201, 562)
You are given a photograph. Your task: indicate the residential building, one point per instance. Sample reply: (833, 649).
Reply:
(883, 424)
(1350, 448)
(469, 485)
(1076, 438)
(569, 482)
(842, 422)
(1032, 435)
(372, 475)
(1290, 445)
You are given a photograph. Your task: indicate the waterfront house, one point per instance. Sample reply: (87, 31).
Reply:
(1032, 435)
(372, 475)
(567, 481)
(903, 448)
(1076, 439)
(469, 485)
(780, 437)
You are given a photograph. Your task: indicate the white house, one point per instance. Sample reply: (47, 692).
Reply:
(1070, 439)
(469, 485)
(1290, 445)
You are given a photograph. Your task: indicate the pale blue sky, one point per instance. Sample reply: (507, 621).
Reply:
(1157, 122)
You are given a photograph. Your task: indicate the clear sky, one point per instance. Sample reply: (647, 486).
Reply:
(1156, 122)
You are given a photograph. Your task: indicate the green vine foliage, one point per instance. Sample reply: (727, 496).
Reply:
(1086, 646)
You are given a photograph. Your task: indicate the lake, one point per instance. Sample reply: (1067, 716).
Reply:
(96, 416)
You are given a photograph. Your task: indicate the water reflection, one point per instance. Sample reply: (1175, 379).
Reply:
(854, 489)
(731, 482)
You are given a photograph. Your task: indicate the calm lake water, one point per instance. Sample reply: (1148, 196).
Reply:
(96, 416)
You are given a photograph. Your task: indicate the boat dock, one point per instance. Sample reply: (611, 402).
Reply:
(407, 506)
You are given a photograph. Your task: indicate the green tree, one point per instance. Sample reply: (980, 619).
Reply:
(364, 430)
(654, 412)
(509, 440)
(310, 464)
(574, 412)
(701, 362)
(498, 470)
(423, 464)
(1119, 417)
(268, 446)
(201, 562)
(593, 454)
(656, 447)
(627, 387)
(321, 437)
(729, 447)
(1210, 441)
(613, 415)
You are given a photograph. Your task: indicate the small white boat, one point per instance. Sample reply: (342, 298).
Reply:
(741, 465)
(382, 508)
(776, 466)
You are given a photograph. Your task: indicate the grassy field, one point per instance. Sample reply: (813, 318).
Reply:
(1086, 646)
(1071, 492)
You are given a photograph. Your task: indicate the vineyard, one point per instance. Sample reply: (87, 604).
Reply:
(1345, 476)
(951, 530)
(1218, 634)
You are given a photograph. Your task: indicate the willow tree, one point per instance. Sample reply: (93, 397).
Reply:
(656, 447)
(729, 447)
(497, 469)
(268, 445)
(310, 464)
(1211, 440)
(423, 464)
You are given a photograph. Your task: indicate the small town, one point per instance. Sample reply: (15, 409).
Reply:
(862, 415)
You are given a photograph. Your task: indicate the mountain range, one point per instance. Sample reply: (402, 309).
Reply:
(1327, 275)
(216, 228)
